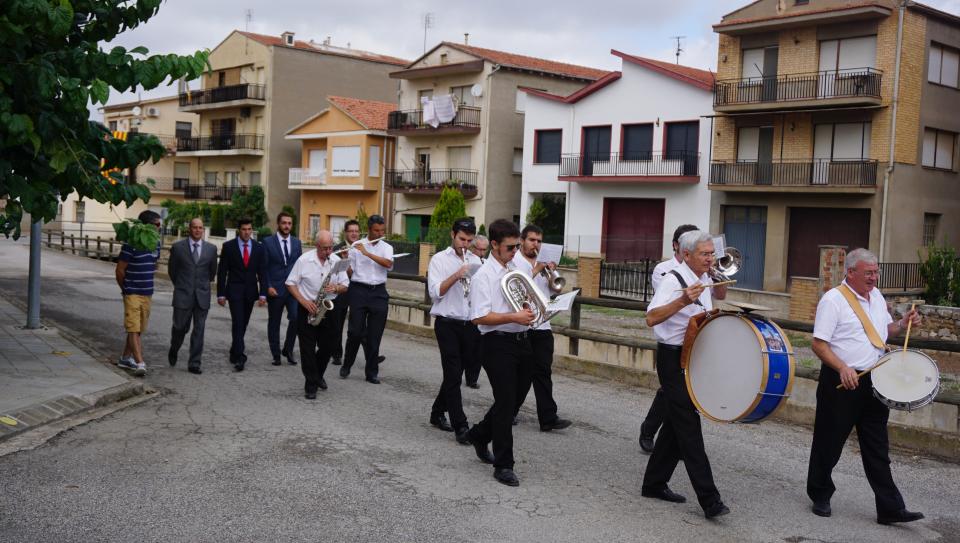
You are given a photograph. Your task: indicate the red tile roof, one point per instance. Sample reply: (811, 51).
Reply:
(578, 95)
(317, 48)
(371, 114)
(694, 76)
(513, 60)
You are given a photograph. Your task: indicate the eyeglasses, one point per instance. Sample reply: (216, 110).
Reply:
(325, 247)
(512, 247)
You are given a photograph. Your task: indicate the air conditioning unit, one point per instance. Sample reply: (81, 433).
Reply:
(153, 112)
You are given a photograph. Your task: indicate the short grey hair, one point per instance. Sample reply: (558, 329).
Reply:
(857, 256)
(479, 237)
(689, 241)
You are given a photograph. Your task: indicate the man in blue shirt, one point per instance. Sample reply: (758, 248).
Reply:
(135, 270)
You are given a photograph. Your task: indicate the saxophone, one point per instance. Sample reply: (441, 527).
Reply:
(323, 301)
(522, 294)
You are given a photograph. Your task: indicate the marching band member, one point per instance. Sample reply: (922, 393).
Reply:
(304, 283)
(457, 336)
(471, 369)
(682, 294)
(351, 233)
(849, 335)
(541, 337)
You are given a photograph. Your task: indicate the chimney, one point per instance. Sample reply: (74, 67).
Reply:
(287, 38)
(327, 41)
(466, 38)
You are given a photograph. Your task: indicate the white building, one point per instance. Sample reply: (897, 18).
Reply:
(628, 155)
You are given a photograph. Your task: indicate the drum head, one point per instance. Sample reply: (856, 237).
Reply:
(906, 376)
(726, 368)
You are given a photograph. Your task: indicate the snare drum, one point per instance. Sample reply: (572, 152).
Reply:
(906, 380)
(740, 368)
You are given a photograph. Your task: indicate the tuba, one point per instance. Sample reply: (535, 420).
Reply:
(727, 265)
(522, 293)
(323, 301)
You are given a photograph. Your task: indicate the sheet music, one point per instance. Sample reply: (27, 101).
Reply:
(401, 255)
(563, 302)
(472, 269)
(719, 245)
(340, 266)
(550, 252)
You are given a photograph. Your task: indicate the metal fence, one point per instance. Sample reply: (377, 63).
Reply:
(629, 280)
(902, 276)
(846, 83)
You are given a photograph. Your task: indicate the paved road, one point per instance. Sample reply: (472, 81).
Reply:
(243, 457)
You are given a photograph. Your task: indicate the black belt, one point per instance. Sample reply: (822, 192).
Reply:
(519, 336)
(441, 318)
(367, 285)
(668, 347)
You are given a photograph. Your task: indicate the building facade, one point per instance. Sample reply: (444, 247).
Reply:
(836, 123)
(479, 150)
(628, 156)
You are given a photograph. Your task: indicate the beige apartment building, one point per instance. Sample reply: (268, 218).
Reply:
(479, 150)
(258, 87)
(836, 123)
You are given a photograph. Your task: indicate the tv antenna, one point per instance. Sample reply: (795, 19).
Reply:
(248, 16)
(679, 49)
(428, 20)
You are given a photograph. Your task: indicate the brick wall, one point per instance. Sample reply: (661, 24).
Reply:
(912, 75)
(729, 46)
(798, 51)
(832, 269)
(724, 138)
(426, 251)
(588, 275)
(804, 297)
(797, 132)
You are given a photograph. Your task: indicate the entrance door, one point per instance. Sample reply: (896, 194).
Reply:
(683, 144)
(632, 229)
(745, 227)
(596, 147)
(416, 227)
(770, 59)
(811, 227)
(423, 166)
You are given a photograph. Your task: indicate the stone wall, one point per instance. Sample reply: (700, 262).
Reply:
(938, 322)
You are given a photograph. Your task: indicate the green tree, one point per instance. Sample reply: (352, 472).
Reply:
(547, 212)
(449, 208)
(217, 216)
(537, 212)
(362, 218)
(941, 272)
(51, 68)
(250, 205)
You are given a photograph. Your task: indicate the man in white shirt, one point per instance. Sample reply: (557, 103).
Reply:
(457, 336)
(506, 350)
(654, 418)
(471, 369)
(351, 233)
(369, 263)
(541, 337)
(304, 284)
(843, 345)
(682, 294)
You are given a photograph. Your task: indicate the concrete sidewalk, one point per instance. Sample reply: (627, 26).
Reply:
(46, 376)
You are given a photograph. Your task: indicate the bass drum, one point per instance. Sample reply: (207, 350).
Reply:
(907, 380)
(740, 368)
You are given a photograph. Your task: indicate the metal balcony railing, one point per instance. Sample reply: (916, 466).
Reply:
(204, 192)
(433, 180)
(229, 93)
(467, 118)
(305, 176)
(221, 142)
(848, 83)
(795, 173)
(639, 163)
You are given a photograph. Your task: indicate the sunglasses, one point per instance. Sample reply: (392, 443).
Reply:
(512, 247)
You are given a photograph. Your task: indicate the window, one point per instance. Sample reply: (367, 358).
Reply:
(849, 54)
(428, 93)
(546, 146)
(637, 142)
(944, 67)
(210, 179)
(113, 126)
(346, 161)
(931, 222)
(181, 175)
(233, 179)
(939, 148)
(313, 225)
(517, 160)
(254, 179)
(221, 79)
(373, 161)
(443, 58)
(458, 158)
(841, 141)
(462, 95)
(801, 2)
(317, 162)
(184, 129)
(80, 211)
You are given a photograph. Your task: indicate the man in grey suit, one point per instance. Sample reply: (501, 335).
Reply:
(192, 266)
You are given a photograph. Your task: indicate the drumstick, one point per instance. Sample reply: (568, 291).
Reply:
(720, 284)
(903, 353)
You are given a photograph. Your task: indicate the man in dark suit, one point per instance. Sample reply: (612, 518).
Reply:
(192, 267)
(282, 251)
(241, 280)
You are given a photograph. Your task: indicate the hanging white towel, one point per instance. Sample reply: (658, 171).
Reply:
(429, 112)
(446, 110)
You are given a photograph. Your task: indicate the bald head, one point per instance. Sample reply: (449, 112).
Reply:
(196, 229)
(324, 243)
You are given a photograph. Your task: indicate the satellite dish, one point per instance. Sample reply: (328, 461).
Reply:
(136, 110)
(476, 90)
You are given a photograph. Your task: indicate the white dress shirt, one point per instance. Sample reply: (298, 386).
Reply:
(838, 325)
(672, 330)
(663, 268)
(280, 240)
(308, 274)
(486, 297)
(453, 304)
(365, 270)
(521, 263)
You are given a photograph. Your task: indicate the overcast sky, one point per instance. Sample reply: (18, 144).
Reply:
(571, 31)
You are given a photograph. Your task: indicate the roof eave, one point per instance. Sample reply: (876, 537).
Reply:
(802, 19)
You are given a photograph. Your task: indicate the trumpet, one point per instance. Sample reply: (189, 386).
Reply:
(555, 281)
(323, 301)
(521, 293)
(465, 283)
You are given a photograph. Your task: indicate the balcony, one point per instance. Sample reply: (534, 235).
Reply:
(221, 144)
(204, 192)
(815, 175)
(164, 184)
(304, 178)
(642, 167)
(853, 87)
(432, 181)
(244, 94)
(410, 123)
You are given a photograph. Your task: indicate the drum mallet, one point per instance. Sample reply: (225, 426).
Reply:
(906, 341)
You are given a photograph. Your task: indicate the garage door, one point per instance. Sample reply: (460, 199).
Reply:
(811, 227)
(633, 229)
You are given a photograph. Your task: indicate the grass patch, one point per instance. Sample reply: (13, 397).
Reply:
(811, 363)
(799, 339)
(615, 312)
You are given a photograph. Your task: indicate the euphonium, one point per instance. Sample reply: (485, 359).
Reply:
(323, 301)
(522, 294)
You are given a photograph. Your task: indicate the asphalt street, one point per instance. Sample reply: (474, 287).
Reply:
(244, 457)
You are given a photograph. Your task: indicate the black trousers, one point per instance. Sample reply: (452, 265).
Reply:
(458, 341)
(473, 363)
(539, 374)
(655, 415)
(368, 317)
(275, 307)
(181, 325)
(505, 359)
(681, 437)
(315, 347)
(340, 306)
(838, 412)
(240, 310)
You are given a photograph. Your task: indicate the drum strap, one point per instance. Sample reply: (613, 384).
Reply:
(872, 334)
(683, 284)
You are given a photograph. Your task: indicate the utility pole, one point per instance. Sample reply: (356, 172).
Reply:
(428, 20)
(33, 281)
(679, 49)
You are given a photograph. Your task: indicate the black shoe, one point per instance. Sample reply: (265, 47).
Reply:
(373, 380)
(461, 435)
(322, 384)
(380, 359)
(336, 361)
(646, 443)
(276, 361)
(195, 369)
(440, 421)
(289, 356)
(900, 516)
(238, 366)
(311, 395)
(344, 371)
(716, 510)
(506, 476)
(821, 509)
(516, 420)
(473, 385)
(172, 357)
(483, 453)
(665, 494)
(557, 424)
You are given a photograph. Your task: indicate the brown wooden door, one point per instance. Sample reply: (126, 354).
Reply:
(632, 229)
(811, 227)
